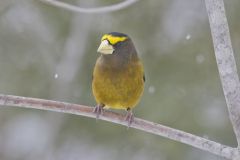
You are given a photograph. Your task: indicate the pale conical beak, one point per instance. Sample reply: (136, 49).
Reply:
(105, 48)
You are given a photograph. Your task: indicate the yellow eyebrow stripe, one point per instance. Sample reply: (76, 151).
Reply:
(112, 39)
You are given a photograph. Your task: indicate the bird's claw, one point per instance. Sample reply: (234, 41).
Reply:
(129, 117)
(98, 110)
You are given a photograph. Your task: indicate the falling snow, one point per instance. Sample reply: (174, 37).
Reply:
(200, 58)
(188, 36)
(151, 89)
(56, 76)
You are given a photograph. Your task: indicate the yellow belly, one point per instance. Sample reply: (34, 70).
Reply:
(118, 89)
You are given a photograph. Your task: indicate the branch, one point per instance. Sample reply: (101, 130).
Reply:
(105, 9)
(150, 127)
(225, 61)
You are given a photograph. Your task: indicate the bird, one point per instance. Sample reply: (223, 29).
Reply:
(118, 75)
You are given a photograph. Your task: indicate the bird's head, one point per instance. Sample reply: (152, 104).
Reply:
(112, 42)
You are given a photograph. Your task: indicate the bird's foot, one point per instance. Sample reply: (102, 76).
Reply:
(129, 117)
(98, 110)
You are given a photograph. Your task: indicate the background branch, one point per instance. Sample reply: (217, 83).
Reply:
(157, 129)
(105, 9)
(225, 61)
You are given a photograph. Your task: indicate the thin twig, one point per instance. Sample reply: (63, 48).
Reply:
(225, 61)
(104, 9)
(157, 129)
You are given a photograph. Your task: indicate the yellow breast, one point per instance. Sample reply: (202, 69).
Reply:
(118, 88)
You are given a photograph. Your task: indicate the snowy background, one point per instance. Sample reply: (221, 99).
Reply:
(47, 52)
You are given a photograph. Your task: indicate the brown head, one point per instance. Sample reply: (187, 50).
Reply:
(117, 49)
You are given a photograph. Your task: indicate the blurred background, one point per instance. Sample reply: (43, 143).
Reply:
(48, 52)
